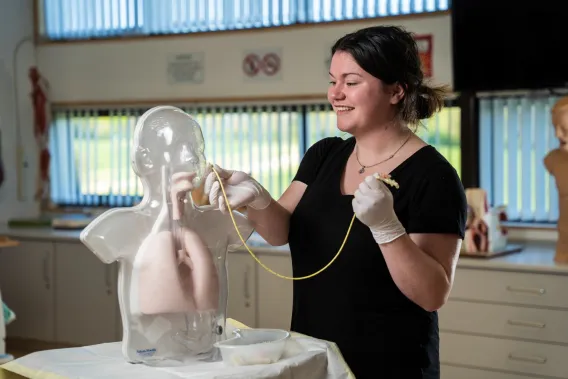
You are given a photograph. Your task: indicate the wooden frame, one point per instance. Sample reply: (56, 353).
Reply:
(188, 101)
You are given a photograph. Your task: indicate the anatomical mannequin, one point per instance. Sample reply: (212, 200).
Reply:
(476, 238)
(171, 248)
(556, 162)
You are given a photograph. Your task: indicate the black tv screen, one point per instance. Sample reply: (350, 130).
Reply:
(509, 44)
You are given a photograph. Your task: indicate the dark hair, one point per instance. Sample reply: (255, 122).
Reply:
(390, 54)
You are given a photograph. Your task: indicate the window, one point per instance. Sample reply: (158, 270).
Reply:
(90, 148)
(515, 135)
(90, 19)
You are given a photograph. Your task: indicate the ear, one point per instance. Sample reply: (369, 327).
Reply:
(397, 93)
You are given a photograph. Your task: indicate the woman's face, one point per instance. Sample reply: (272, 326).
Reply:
(360, 100)
(560, 121)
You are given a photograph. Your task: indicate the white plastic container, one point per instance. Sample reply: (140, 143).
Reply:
(253, 347)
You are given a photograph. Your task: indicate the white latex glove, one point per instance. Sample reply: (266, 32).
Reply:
(241, 189)
(373, 205)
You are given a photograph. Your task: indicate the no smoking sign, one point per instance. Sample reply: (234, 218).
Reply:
(258, 65)
(271, 64)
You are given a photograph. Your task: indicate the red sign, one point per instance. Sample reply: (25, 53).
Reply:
(251, 64)
(269, 64)
(425, 50)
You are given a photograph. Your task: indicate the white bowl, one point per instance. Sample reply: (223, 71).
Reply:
(253, 347)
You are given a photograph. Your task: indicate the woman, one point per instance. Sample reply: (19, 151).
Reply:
(378, 300)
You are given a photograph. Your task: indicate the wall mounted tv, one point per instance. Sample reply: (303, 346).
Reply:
(502, 45)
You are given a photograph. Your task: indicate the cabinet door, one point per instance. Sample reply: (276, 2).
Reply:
(242, 288)
(274, 293)
(86, 301)
(26, 279)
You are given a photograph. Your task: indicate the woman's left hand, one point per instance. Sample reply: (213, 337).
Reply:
(374, 206)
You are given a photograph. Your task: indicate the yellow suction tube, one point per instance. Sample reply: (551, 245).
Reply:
(386, 179)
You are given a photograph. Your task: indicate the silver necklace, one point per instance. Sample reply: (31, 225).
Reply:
(363, 167)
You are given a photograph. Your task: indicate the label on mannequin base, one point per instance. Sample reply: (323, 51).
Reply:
(146, 352)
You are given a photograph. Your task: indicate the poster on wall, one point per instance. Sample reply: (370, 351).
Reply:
(425, 49)
(262, 64)
(186, 68)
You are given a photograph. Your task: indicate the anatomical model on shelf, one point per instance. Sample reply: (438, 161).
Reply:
(171, 248)
(556, 162)
(485, 233)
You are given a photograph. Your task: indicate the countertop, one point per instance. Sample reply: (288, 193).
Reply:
(60, 235)
(39, 234)
(535, 256)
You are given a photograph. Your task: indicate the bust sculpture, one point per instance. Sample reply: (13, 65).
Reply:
(556, 162)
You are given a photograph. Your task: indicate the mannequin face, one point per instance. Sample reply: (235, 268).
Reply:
(167, 136)
(560, 121)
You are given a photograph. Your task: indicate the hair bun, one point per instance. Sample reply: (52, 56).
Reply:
(429, 100)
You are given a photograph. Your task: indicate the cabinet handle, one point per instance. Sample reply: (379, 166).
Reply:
(531, 324)
(246, 289)
(534, 291)
(107, 280)
(46, 270)
(246, 280)
(527, 358)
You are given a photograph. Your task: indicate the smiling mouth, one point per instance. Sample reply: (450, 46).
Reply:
(341, 110)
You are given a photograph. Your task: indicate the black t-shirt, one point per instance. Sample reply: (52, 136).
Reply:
(355, 302)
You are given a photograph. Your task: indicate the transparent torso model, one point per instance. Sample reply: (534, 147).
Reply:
(172, 283)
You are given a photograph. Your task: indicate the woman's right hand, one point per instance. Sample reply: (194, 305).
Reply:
(241, 190)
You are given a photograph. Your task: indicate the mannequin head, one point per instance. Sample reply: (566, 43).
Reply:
(560, 121)
(167, 136)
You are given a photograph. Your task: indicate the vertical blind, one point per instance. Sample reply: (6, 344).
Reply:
(84, 19)
(91, 149)
(515, 135)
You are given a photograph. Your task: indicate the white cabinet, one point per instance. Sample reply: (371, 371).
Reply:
(60, 293)
(275, 293)
(87, 301)
(242, 302)
(27, 282)
(503, 323)
(258, 298)
(63, 294)
(453, 372)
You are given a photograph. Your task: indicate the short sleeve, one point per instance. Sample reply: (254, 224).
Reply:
(313, 159)
(439, 204)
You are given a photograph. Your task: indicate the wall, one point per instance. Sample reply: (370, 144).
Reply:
(126, 70)
(16, 23)
(110, 71)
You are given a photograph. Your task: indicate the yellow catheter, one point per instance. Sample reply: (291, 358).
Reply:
(383, 178)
